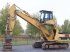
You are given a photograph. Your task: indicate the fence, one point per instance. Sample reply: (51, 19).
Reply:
(20, 40)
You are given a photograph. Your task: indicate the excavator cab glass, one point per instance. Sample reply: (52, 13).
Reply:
(45, 16)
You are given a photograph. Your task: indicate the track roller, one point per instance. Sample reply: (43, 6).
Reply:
(37, 45)
(51, 45)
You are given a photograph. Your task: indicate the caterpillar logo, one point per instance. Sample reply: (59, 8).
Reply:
(66, 35)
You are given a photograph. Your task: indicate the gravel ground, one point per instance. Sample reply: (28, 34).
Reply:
(29, 48)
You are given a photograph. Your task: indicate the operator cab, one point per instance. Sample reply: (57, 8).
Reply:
(45, 16)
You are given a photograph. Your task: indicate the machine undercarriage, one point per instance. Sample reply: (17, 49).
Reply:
(50, 45)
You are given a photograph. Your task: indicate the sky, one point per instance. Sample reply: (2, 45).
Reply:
(60, 8)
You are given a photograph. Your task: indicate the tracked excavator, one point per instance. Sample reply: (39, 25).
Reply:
(50, 39)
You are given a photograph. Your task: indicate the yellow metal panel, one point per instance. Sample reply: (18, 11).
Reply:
(11, 19)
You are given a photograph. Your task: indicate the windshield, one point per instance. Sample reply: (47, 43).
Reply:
(47, 16)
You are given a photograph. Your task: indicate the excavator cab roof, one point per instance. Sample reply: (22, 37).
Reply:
(45, 11)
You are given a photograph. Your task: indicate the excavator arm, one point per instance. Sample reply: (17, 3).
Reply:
(25, 16)
(9, 29)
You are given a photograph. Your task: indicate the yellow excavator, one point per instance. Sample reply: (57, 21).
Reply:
(52, 39)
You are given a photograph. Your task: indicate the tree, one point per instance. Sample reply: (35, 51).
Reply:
(3, 20)
(66, 26)
(17, 30)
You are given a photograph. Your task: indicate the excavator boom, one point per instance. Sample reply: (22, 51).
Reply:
(25, 16)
